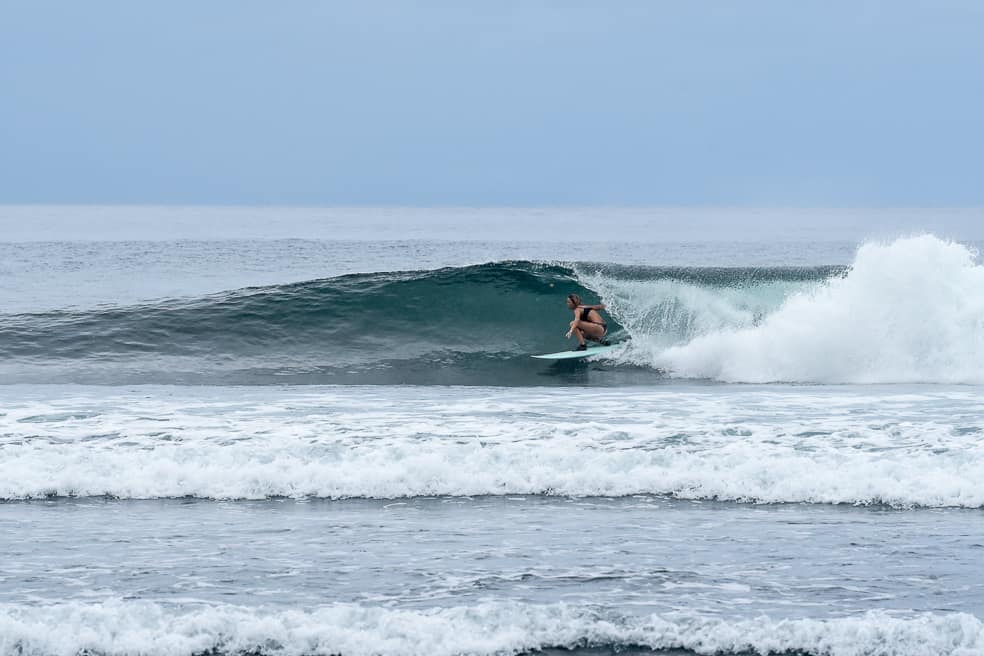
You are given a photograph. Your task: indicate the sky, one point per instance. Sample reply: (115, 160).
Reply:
(757, 103)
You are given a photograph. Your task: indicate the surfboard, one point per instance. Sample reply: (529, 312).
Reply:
(574, 355)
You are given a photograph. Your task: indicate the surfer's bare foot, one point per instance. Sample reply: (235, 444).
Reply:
(582, 347)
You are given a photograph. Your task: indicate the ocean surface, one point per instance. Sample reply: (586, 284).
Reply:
(311, 431)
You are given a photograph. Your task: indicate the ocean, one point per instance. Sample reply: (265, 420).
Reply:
(310, 431)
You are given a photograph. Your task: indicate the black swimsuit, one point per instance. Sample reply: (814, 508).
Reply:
(586, 317)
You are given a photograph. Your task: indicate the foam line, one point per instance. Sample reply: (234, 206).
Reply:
(143, 627)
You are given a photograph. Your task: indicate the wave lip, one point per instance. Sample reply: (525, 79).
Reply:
(126, 627)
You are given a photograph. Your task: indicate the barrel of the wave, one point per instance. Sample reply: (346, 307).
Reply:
(588, 324)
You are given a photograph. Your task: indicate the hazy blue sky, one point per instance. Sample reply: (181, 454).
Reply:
(785, 102)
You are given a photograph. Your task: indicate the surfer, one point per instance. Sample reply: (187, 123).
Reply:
(587, 324)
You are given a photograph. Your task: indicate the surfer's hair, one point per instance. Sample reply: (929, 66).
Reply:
(575, 299)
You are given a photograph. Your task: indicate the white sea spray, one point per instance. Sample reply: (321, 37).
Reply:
(911, 310)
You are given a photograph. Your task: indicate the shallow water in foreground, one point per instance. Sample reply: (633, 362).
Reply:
(634, 555)
(715, 518)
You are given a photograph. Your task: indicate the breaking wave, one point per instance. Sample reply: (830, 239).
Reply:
(906, 311)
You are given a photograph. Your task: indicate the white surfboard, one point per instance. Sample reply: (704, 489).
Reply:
(573, 355)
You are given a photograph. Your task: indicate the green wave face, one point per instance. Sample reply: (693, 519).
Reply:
(466, 325)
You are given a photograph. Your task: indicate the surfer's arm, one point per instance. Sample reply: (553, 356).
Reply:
(572, 324)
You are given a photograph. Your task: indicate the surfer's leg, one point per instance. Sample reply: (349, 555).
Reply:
(579, 335)
(593, 331)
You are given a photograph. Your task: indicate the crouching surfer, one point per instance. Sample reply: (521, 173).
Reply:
(587, 324)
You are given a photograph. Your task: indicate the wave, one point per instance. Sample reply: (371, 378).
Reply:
(127, 627)
(429, 326)
(467, 325)
(907, 311)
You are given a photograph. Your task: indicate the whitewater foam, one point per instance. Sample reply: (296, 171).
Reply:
(897, 448)
(128, 627)
(907, 311)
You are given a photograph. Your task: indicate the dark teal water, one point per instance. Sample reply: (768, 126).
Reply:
(472, 325)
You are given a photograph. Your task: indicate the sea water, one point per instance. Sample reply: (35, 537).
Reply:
(306, 431)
